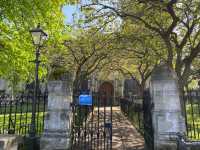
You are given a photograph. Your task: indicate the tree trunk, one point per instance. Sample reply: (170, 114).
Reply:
(142, 87)
(75, 87)
(76, 84)
(182, 81)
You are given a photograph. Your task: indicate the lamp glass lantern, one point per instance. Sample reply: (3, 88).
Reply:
(38, 36)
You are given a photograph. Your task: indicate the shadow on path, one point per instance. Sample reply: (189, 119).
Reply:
(125, 135)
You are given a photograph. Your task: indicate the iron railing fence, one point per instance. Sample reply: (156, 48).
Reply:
(133, 110)
(138, 111)
(16, 113)
(192, 114)
(148, 120)
(182, 142)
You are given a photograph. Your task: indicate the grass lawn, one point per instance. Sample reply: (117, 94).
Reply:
(193, 121)
(20, 107)
(15, 117)
(20, 123)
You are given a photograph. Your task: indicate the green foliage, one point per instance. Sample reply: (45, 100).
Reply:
(17, 17)
(173, 27)
(85, 52)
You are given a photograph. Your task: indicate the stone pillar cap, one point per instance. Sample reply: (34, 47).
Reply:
(59, 87)
(163, 72)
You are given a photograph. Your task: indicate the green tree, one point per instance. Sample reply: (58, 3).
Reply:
(17, 17)
(138, 52)
(175, 22)
(87, 52)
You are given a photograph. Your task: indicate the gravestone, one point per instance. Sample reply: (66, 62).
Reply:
(3, 85)
(56, 134)
(130, 88)
(167, 117)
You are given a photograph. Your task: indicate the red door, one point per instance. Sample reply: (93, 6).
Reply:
(106, 92)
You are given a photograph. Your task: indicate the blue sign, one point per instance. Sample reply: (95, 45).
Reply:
(85, 100)
(108, 125)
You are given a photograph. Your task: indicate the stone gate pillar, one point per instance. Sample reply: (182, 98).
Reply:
(167, 117)
(57, 120)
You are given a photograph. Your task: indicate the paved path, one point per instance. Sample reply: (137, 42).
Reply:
(125, 136)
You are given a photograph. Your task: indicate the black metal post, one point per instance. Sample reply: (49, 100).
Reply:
(33, 123)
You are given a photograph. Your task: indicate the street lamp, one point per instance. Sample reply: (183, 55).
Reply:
(38, 37)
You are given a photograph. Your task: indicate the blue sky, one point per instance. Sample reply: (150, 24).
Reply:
(68, 11)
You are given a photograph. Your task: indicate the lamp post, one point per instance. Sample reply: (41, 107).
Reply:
(38, 37)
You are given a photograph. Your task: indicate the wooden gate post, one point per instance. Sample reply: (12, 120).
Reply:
(166, 113)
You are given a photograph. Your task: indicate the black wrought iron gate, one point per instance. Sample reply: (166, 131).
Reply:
(92, 125)
(148, 126)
